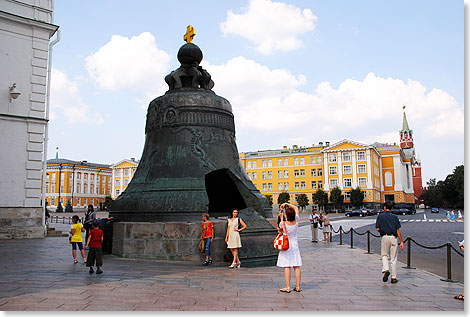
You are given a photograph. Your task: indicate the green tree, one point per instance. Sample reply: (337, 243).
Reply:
(335, 197)
(270, 199)
(59, 208)
(320, 198)
(283, 198)
(68, 207)
(357, 198)
(453, 188)
(302, 200)
(432, 195)
(108, 202)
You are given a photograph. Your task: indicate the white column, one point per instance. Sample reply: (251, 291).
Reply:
(339, 159)
(369, 170)
(397, 169)
(326, 186)
(354, 169)
(112, 183)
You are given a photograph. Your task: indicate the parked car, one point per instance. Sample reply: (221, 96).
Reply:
(356, 212)
(435, 210)
(402, 211)
(371, 212)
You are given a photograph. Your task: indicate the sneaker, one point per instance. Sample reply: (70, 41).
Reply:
(205, 263)
(394, 280)
(99, 271)
(84, 261)
(75, 261)
(210, 261)
(91, 270)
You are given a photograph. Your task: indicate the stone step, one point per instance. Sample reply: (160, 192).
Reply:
(51, 232)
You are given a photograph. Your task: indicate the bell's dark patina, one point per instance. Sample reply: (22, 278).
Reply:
(190, 161)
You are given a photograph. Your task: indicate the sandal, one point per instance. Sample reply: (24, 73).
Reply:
(459, 297)
(285, 290)
(232, 266)
(297, 289)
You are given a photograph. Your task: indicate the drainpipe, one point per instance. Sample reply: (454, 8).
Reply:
(46, 132)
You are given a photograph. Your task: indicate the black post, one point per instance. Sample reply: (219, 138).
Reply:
(368, 242)
(408, 255)
(352, 233)
(341, 235)
(449, 265)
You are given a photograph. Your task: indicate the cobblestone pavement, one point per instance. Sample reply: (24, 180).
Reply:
(39, 275)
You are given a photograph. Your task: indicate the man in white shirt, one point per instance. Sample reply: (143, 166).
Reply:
(314, 225)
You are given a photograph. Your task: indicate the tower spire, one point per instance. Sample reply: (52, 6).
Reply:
(406, 134)
(57, 153)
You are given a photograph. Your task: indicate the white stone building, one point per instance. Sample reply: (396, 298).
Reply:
(26, 27)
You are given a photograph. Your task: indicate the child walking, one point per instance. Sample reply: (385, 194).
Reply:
(77, 239)
(95, 254)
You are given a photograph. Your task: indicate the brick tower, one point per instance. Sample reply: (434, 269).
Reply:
(406, 142)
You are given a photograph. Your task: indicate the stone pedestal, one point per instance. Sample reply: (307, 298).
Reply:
(178, 241)
(21, 223)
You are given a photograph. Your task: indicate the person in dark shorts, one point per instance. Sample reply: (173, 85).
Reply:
(77, 239)
(95, 254)
(388, 225)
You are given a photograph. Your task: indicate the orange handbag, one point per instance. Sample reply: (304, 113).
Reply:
(281, 242)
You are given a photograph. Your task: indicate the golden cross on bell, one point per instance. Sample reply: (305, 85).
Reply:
(190, 32)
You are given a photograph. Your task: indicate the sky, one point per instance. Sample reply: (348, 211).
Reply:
(296, 72)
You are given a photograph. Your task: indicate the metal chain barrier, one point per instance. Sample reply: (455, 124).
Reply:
(408, 240)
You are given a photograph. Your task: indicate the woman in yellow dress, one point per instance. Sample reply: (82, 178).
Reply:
(232, 238)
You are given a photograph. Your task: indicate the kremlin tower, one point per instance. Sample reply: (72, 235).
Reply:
(406, 142)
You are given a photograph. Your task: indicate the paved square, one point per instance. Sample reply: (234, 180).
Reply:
(40, 275)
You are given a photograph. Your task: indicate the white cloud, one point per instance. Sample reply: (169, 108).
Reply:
(271, 26)
(269, 104)
(136, 63)
(67, 101)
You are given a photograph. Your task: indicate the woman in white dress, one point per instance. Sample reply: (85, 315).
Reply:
(290, 257)
(232, 238)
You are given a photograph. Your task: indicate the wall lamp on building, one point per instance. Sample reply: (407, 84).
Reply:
(14, 93)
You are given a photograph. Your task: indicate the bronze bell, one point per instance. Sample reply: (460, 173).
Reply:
(190, 162)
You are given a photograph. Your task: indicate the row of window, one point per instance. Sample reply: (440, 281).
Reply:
(85, 201)
(346, 156)
(78, 190)
(125, 182)
(347, 169)
(284, 162)
(347, 195)
(297, 185)
(79, 176)
(347, 182)
(285, 174)
(126, 172)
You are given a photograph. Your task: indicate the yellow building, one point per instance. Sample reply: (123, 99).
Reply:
(123, 171)
(80, 182)
(382, 171)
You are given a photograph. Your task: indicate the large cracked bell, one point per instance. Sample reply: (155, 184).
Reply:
(190, 161)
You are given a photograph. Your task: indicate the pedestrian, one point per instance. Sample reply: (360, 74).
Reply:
(460, 218)
(326, 228)
(388, 225)
(90, 217)
(313, 218)
(452, 214)
(232, 238)
(290, 257)
(208, 236)
(95, 254)
(461, 295)
(448, 215)
(77, 239)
